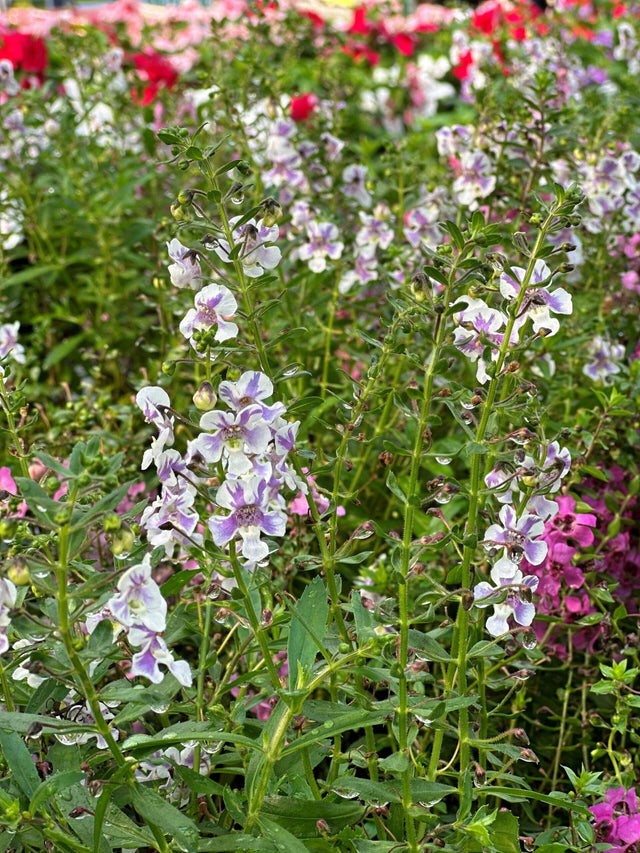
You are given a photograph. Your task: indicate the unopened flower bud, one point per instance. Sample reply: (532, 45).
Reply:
(112, 522)
(205, 397)
(8, 528)
(272, 212)
(122, 542)
(180, 213)
(323, 827)
(169, 367)
(18, 571)
(521, 736)
(466, 599)
(529, 755)
(185, 197)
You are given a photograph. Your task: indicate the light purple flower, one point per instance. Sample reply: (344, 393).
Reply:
(9, 345)
(251, 389)
(155, 404)
(478, 330)
(185, 271)
(153, 652)
(517, 535)
(322, 243)
(232, 438)
(514, 606)
(171, 519)
(215, 305)
(537, 301)
(139, 601)
(475, 180)
(605, 356)
(250, 516)
(364, 271)
(354, 184)
(375, 229)
(257, 253)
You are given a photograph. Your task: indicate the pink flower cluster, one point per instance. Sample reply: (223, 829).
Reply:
(618, 821)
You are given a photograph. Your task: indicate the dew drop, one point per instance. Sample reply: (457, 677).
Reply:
(238, 198)
(345, 794)
(516, 554)
(443, 460)
(529, 640)
(468, 405)
(443, 496)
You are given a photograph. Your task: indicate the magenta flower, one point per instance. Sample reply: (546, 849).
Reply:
(569, 525)
(618, 821)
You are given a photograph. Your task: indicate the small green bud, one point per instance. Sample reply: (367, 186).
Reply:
(205, 397)
(111, 522)
(180, 213)
(536, 219)
(272, 212)
(169, 367)
(122, 542)
(344, 648)
(18, 571)
(243, 168)
(63, 516)
(8, 527)
(84, 480)
(185, 196)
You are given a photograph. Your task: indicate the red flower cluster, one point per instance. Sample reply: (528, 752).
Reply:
(25, 52)
(405, 43)
(302, 106)
(154, 70)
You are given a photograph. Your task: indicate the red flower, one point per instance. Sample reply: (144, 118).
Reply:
(461, 70)
(405, 43)
(487, 18)
(25, 52)
(154, 70)
(360, 26)
(361, 51)
(302, 106)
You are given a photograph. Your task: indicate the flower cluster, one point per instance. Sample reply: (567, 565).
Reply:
(519, 539)
(139, 607)
(617, 820)
(250, 443)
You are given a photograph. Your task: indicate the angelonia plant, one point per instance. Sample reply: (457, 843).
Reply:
(354, 567)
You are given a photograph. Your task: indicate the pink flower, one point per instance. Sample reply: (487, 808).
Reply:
(7, 483)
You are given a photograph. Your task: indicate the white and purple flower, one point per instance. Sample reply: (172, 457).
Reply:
(215, 305)
(517, 536)
(232, 438)
(185, 271)
(250, 515)
(516, 605)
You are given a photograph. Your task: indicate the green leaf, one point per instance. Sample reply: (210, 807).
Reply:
(63, 350)
(365, 622)
(181, 732)
(19, 760)
(392, 485)
(429, 648)
(472, 448)
(372, 793)
(156, 810)
(100, 641)
(300, 817)
(53, 785)
(230, 843)
(504, 833)
(307, 631)
(342, 722)
(284, 841)
(430, 793)
(196, 782)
